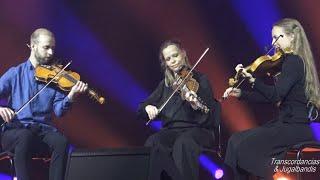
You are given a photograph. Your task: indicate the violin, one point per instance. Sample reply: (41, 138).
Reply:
(265, 65)
(190, 84)
(193, 85)
(65, 80)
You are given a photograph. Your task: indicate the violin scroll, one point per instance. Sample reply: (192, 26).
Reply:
(95, 96)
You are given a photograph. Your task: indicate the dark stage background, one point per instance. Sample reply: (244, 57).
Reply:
(114, 45)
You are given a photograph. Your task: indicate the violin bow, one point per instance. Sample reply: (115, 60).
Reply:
(28, 102)
(180, 84)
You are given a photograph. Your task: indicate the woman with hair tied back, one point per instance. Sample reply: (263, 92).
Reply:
(296, 88)
(186, 127)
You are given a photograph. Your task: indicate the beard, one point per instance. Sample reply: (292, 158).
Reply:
(42, 59)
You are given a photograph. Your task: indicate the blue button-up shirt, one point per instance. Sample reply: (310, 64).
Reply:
(19, 84)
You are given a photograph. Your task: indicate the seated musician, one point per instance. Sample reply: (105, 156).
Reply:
(22, 131)
(251, 151)
(186, 127)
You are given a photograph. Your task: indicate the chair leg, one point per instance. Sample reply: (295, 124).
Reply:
(299, 157)
(13, 172)
(219, 142)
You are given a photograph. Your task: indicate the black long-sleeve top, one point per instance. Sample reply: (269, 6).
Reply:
(178, 113)
(289, 90)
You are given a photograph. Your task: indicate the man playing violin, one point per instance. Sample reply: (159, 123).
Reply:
(22, 132)
(297, 87)
(186, 127)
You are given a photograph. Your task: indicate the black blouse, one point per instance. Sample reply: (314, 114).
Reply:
(178, 113)
(288, 89)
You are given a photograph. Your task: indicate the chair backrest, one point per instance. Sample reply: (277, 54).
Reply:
(217, 125)
(313, 113)
(216, 113)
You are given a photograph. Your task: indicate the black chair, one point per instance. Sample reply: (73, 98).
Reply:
(216, 111)
(41, 155)
(8, 156)
(304, 148)
(307, 146)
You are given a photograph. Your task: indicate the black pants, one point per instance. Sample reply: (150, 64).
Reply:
(251, 151)
(24, 141)
(184, 146)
